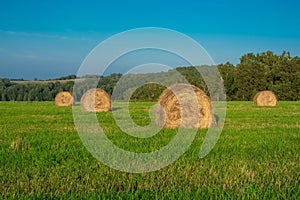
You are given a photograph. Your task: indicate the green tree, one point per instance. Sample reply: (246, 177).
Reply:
(251, 76)
(228, 72)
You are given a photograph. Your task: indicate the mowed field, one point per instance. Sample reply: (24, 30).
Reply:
(256, 157)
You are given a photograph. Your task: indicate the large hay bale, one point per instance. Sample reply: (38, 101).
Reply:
(186, 106)
(95, 100)
(265, 98)
(64, 99)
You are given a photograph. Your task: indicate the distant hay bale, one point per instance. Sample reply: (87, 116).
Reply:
(64, 99)
(186, 106)
(95, 100)
(265, 98)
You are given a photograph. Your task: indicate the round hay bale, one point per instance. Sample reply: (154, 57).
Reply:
(64, 99)
(186, 106)
(265, 98)
(95, 100)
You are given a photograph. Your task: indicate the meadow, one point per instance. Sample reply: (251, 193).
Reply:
(256, 157)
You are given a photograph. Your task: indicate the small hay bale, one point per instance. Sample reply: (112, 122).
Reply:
(95, 100)
(186, 106)
(64, 99)
(265, 98)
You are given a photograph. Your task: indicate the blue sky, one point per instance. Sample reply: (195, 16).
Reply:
(48, 39)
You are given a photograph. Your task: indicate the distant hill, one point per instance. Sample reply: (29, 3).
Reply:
(69, 77)
(62, 79)
(41, 81)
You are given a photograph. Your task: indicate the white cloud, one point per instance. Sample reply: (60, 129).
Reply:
(27, 56)
(43, 35)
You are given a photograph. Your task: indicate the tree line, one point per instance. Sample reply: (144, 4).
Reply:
(254, 73)
(10, 91)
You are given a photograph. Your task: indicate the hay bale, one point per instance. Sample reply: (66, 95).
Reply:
(186, 106)
(64, 99)
(95, 100)
(265, 98)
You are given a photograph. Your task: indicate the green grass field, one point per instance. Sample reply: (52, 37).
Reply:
(256, 157)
